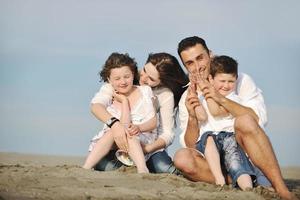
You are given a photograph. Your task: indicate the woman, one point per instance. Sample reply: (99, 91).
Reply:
(163, 73)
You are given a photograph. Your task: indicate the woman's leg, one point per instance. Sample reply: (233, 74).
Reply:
(137, 155)
(101, 148)
(161, 162)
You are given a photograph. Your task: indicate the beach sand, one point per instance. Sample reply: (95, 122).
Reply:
(27, 177)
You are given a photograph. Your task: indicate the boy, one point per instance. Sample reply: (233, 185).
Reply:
(217, 139)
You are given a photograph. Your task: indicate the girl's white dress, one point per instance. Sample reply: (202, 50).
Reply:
(141, 112)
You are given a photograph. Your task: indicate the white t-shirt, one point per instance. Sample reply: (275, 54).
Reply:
(250, 95)
(164, 106)
(218, 124)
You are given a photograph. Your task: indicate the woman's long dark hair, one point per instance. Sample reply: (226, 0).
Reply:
(171, 74)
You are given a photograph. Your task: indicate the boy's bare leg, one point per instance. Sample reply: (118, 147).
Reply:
(137, 155)
(244, 181)
(257, 145)
(212, 157)
(101, 148)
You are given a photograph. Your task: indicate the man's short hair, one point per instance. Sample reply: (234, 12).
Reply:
(188, 42)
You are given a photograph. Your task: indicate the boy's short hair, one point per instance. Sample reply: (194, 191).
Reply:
(190, 42)
(223, 64)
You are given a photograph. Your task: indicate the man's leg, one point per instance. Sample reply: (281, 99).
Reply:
(256, 144)
(193, 166)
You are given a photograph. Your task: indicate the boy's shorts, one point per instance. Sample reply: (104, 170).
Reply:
(233, 158)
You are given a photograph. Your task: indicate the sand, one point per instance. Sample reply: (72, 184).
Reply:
(26, 177)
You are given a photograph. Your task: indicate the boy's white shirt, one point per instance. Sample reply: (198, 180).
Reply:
(251, 96)
(218, 124)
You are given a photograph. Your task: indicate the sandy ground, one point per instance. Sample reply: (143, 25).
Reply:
(26, 177)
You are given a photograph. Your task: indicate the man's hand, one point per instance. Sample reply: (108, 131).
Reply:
(192, 101)
(119, 136)
(208, 91)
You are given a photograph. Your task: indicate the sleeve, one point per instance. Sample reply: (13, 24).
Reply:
(183, 118)
(148, 107)
(166, 104)
(252, 97)
(104, 95)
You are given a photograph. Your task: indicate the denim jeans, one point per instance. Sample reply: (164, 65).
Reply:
(160, 162)
(233, 158)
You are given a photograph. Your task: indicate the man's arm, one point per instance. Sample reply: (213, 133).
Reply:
(189, 122)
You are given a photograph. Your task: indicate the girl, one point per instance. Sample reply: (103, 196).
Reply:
(131, 104)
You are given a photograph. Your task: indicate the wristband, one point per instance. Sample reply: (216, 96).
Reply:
(111, 121)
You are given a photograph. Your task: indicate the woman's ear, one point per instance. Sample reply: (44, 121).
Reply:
(210, 79)
(108, 80)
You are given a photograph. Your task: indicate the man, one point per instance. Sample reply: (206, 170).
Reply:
(196, 58)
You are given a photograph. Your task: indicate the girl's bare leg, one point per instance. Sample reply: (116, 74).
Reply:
(137, 155)
(101, 148)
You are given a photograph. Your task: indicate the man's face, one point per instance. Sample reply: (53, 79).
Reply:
(196, 60)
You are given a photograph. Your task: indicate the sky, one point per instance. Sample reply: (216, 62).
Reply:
(51, 52)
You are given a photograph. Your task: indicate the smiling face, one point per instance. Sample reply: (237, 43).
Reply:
(149, 75)
(121, 79)
(223, 83)
(196, 59)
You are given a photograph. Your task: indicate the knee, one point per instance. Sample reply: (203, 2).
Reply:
(245, 124)
(184, 161)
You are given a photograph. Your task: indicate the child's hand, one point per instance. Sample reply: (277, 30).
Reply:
(119, 97)
(133, 129)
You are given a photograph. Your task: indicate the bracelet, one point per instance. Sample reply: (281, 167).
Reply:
(113, 122)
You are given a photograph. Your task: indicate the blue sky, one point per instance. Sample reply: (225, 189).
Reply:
(51, 52)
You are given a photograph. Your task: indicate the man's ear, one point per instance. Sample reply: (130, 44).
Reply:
(211, 54)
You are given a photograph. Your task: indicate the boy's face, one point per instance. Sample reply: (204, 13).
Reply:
(223, 83)
(196, 60)
(121, 79)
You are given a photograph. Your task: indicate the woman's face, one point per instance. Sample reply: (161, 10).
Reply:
(149, 75)
(121, 79)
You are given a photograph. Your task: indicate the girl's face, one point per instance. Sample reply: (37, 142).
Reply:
(223, 83)
(149, 75)
(121, 79)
